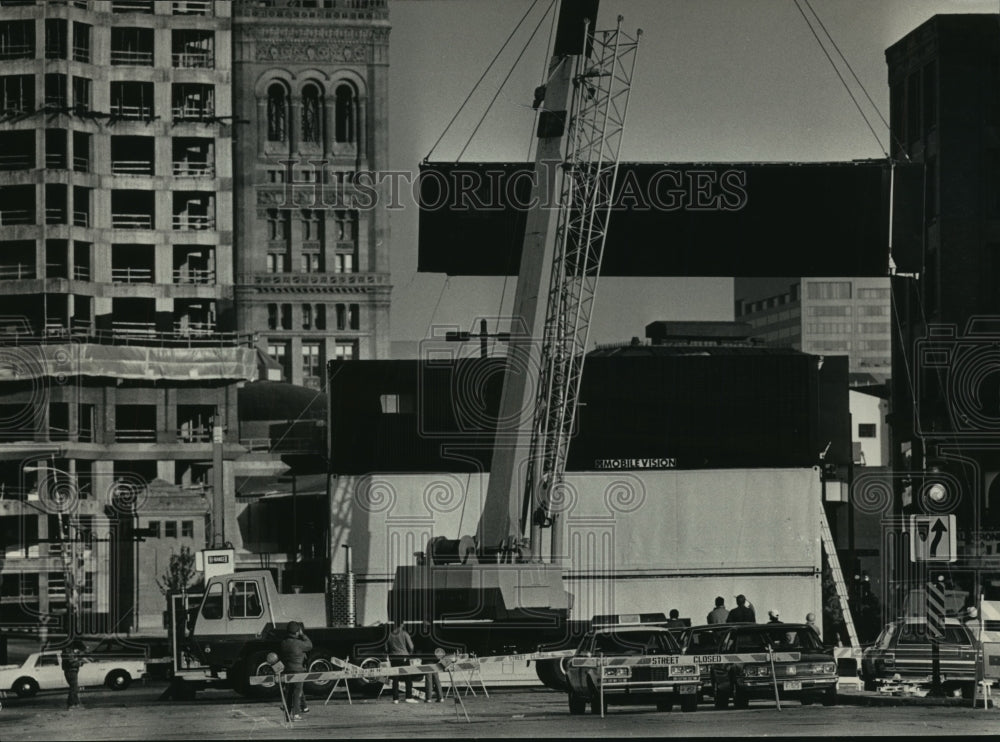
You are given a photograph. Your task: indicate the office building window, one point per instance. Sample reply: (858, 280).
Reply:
(346, 350)
(828, 290)
(280, 353)
(866, 430)
(170, 529)
(277, 113)
(154, 528)
(312, 114)
(831, 311)
(311, 365)
(187, 529)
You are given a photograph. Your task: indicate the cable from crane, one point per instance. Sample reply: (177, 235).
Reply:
(506, 78)
(842, 80)
(480, 80)
(899, 144)
(846, 63)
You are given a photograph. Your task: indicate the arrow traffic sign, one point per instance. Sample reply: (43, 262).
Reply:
(933, 538)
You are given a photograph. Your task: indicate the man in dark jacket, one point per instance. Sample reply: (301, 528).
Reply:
(293, 651)
(72, 659)
(742, 613)
(399, 646)
(720, 613)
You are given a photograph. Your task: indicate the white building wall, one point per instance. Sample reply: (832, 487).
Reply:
(869, 410)
(638, 541)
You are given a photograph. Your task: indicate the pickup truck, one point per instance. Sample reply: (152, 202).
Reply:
(43, 671)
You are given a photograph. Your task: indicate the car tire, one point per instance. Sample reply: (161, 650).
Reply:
(664, 705)
(25, 687)
(740, 698)
(577, 705)
(806, 700)
(830, 697)
(257, 664)
(367, 687)
(319, 661)
(118, 680)
(689, 703)
(552, 673)
(720, 697)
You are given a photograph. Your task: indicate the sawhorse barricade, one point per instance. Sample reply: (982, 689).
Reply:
(349, 671)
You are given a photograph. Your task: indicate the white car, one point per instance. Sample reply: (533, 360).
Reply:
(43, 671)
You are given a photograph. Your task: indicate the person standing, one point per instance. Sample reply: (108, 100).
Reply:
(742, 613)
(293, 650)
(773, 616)
(433, 687)
(399, 647)
(72, 660)
(675, 622)
(720, 613)
(811, 622)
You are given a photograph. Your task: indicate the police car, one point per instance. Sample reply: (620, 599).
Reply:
(630, 659)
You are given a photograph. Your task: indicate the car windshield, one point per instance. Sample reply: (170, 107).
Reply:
(635, 642)
(780, 638)
(918, 634)
(703, 641)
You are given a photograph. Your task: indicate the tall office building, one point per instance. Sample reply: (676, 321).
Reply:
(944, 79)
(822, 316)
(312, 257)
(119, 358)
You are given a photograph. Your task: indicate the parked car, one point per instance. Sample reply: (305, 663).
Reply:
(154, 650)
(813, 677)
(703, 640)
(43, 671)
(660, 683)
(904, 648)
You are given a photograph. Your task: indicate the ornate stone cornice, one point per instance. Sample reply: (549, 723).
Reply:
(324, 282)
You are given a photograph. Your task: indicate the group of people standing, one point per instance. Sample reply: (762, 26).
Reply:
(744, 613)
(398, 646)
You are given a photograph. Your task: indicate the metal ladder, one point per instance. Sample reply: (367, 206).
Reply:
(838, 579)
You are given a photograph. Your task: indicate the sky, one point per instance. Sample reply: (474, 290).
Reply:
(716, 80)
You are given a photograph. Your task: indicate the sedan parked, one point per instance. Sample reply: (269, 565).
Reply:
(43, 671)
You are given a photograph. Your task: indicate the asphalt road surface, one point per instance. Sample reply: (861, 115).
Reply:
(536, 713)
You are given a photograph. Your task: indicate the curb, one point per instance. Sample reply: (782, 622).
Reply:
(864, 698)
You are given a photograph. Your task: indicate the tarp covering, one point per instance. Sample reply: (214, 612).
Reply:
(702, 219)
(126, 362)
(636, 541)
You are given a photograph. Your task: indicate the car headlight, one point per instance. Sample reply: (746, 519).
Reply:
(684, 670)
(756, 671)
(617, 672)
(824, 668)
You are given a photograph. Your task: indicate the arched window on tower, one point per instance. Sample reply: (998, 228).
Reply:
(346, 106)
(277, 113)
(312, 113)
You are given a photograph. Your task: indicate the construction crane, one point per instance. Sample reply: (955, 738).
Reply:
(583, 113)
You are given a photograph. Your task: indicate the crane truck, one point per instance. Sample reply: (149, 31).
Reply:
(499, 592)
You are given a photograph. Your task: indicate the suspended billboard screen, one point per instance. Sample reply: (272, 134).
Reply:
(715, 219)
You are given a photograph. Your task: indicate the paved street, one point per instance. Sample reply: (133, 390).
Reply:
(135, 714)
